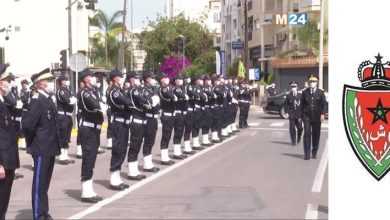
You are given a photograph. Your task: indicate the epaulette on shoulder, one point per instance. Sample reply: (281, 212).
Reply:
(35, 95)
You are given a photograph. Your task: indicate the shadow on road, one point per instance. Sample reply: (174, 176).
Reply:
(105, 183)
(282, 142)
(73, 193)
(24, 214)
(299, 156)
(323, 209)
(271, 117)
(28, 167)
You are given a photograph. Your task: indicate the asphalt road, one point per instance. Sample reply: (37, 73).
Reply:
(254, 174)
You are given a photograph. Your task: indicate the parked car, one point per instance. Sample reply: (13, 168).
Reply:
(275, 105)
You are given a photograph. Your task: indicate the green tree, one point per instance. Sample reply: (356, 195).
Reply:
(110, 28)
(163, 38)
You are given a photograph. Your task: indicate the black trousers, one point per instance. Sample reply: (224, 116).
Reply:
(294, 126)
(241, 117)
(217, 119)
(189, 123)
(120, 139)
(247, 107)
(233, 112)
(198, 122)
(18, 128)
(137, 136)
(5, 191)
(179, 124)
(167, 127)
(150, 135)
(90, 142)
(43, 171)
(64, 130)
(227, 115)
(78, 140)
(109, 129)
(208, 120)
(312, 131)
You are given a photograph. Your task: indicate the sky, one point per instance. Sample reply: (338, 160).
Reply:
(143, 10)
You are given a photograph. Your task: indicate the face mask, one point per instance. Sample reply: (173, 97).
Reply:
(188, 80)
(127, 84)
(93, 81)
(294, 89)
(313, 85)
(230, 81)
(137, 82)
(14, 84)
(50, 87)
(153, 82)
(67, 83)
(121, 81)
(180, 82)
(166, 81)
(98, 85)
(217, 83)
(201, 83)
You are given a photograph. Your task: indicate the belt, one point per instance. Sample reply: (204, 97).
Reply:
(180, 112)
(202, 108)
(65, 113)
(207, 106)
(168, 114)
(90, 124)
(230, 103)
(80, 111)
(149, 115)
(17, 119)
(190, 109)
(119, 119)
(241, 101)
(197, 106)
(212, 107)
(139, 121)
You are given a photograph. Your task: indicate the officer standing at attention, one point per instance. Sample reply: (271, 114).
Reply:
(168, 100)
(120, 115)
(179, 118)
(103, 108)
(189, 120)
(137, 124)
(65, 103)
(216, 112)
(9, 157)
(200, 100)
(91, 119)
(234, 106)
(293, 109)
(25, 98)
(207, 113)
(313, 113)
(108, 113)
(79, 153)
(40, 128)
(152, 114)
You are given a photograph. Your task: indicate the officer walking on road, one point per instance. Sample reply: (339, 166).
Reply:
(313, 113)
(91, 119)
(152, 114)
(120, 115)
(292, 108)
(65, 107)
(168, 100)
(9, 158)
(40, 128)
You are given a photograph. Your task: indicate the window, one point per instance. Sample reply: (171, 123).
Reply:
(249, 5)
(235, 23)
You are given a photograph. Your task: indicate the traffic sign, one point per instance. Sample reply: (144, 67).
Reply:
(238, 45)
(77, 62)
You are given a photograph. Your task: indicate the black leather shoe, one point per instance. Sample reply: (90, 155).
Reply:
(189, 152)
(216, 141)
(168, 163)
(18, 176)
(299, 140)
(48, 217)
(120, 187)
(179, 157)
(152, 170)
(207, 145)
(63, 162)
(79, 156)
(198, 148)
(70, 161)
(314, 155)
(136, 178)
(307, 158)
(94, 199)
(236, 131)
(101, 151)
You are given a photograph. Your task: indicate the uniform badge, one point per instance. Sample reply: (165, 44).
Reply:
(165, 90)
(6, 121)
(116, 94)
(35, 95)
(48, 115)
(86, 94)
(136, 92)
(366, 114)
(62, 92)
(146, 93)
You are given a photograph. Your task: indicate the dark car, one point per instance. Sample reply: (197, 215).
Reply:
(275, 105)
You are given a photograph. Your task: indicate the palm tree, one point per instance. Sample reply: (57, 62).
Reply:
(110, 27)
(309, 36)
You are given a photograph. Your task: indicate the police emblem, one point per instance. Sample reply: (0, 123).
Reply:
(365, 112)
(48, 115)
(116, 94)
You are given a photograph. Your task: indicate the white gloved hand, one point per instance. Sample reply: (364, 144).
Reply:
(103, 106)
(175, 98)
(155, 100)
(54, 99)
(187, 97)
(73, 101)
(19, 104)
(104, 99)
(215, 95)
(250, 87)
(234, 101)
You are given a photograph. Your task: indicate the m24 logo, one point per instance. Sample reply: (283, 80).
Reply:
(291, 19)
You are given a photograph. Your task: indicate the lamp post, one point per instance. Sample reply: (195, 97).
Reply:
(184, 49)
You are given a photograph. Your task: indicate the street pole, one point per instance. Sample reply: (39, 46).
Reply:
(122, 49)
(246, 34)
(184, 52)
(321, 55)
(70, 27)
(131, 37)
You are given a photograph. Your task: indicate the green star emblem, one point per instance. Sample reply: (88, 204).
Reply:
(379, 112)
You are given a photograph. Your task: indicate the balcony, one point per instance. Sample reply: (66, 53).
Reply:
(310, 5)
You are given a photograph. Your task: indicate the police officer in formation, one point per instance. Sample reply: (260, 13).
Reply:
(9, 157)
(91, 119)
(313, 102)
(40, 128)
(293, 109)
(179, 116)
(200, 99)
(168, 100)
(108, 113)
(244, 102)
(79, 153)
(189, 118)
(119, 106)
(235, 88)
(65, 107)
(208, 111)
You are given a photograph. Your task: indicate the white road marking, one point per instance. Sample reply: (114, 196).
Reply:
(311, 211)
(149, 179)
(254, 124)
(317, 185)
(277, 124)
(159, 125)
(253, 134)
(278, 129)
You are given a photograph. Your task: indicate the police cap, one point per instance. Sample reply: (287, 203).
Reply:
(85, 73)
(148, 74)
(293, 84)
(3, 75)
(313, 78)
(25, 81)
(43, 75)
(114, 73)
(62, 78)
(132, 74)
